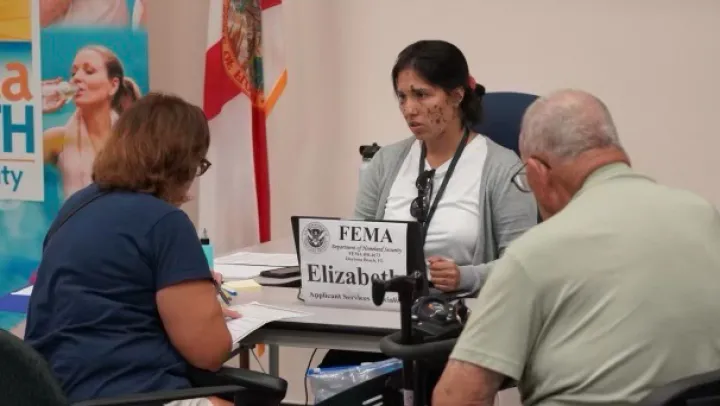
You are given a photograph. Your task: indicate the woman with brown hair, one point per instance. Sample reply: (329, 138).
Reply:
(124, 300)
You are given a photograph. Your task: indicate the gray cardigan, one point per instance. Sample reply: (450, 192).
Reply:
(506, 211)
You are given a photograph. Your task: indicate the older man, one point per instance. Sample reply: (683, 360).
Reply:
(614, 294)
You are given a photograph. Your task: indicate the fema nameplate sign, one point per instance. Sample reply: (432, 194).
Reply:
(339, 259)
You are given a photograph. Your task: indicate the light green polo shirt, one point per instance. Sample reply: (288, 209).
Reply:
(616, 294)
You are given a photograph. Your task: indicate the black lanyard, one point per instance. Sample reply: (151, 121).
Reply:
(443, 185)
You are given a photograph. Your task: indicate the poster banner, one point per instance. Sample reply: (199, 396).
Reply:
(84, 66)
(21, 174)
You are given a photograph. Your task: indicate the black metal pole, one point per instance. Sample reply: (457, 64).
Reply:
(408, 288)
(420, 384)
(406, 297)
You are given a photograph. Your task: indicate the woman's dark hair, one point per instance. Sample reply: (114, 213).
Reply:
(442, 64)
(157, 146)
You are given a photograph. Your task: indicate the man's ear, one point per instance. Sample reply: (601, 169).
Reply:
(539, 171)
(536, 166)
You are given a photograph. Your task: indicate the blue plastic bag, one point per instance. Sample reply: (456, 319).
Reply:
(328, 382)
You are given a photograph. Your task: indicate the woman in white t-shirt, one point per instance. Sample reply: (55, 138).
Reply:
(471, 209)
(102, 92)
(457, 183)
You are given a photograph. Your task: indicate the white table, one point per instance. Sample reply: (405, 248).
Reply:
(327, 327)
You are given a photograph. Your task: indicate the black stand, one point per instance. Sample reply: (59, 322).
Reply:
(409, 288)
(423, 344)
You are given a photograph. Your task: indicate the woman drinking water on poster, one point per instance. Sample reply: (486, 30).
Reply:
(101, 91)
(88, 40)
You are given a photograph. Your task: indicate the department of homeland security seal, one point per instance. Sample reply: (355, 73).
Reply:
(316, 237)
(241, 50)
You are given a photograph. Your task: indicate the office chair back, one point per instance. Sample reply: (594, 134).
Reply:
(25, 377)
(502, 115)
(696, 390)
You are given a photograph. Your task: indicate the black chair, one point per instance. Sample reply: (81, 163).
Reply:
(696, 390)
(26, 379)
(502, 116)
(368, 151)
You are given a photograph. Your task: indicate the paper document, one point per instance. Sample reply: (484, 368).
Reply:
(256, 315)
(24, 291)
(254, 258)
(230, 272)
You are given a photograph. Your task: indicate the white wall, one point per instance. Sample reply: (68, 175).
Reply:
(654, 63)
(177, 32)
(305, 128)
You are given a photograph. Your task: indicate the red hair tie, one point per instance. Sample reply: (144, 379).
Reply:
(471, 82)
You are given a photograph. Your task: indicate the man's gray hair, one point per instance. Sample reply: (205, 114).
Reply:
(567, 123)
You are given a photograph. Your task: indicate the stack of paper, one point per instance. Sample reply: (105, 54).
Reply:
(230, 272)
(256, 315)
(248, 265)
(259, 259)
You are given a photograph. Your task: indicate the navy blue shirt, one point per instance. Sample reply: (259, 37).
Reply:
(92, 313)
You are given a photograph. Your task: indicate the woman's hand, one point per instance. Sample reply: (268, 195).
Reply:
(444, 273)
(53, 101)
(218, 277)
(227, 312)
(230, 313)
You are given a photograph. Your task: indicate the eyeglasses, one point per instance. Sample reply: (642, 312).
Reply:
(519, 179)
(420, 206)
(203, 167)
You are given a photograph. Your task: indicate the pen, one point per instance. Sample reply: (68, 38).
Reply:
(229, 290)
(221, 293)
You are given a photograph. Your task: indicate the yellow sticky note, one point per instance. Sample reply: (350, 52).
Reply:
(245, 284)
